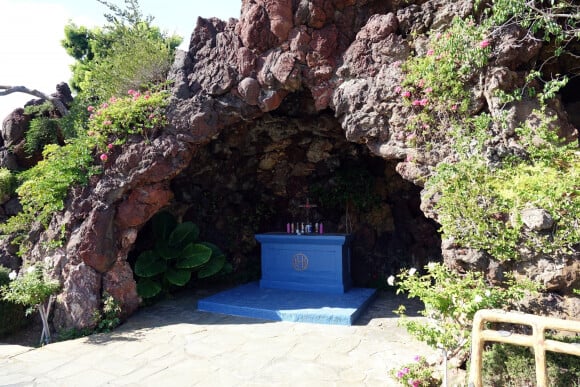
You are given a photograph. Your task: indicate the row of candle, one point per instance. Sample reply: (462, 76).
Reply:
(301, 228)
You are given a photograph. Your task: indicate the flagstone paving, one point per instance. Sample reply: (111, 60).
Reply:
(173, 344)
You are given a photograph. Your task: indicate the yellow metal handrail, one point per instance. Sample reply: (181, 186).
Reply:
(536, 340)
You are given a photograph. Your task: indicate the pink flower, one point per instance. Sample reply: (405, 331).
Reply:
(398, 89)
(112, 99)
(107, 122)
(402, 372)
(409, 158)
(420, 102)
(414, 383)
(110, 146)
(91, 116)
(406, 94)
(417, 358)
(104, 157)
(105, 105)
(151, 116)
(90, 108)
(428, 90)
(421, 83)
(454, 107)
(131, 92)
(484, 43)
(430, 52)
(147, 96)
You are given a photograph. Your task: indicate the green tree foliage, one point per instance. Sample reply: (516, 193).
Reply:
(34, 290)
(127, 53)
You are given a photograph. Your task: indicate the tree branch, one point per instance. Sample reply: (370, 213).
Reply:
(57, 103)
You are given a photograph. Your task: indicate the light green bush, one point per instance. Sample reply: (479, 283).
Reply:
(7, 182)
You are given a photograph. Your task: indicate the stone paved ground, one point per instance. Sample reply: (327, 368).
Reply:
(172, 344)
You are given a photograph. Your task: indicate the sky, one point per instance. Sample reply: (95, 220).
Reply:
(31, 31)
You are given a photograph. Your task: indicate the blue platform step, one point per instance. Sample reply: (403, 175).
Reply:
(250, 300)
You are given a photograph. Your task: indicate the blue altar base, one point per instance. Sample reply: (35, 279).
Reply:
(251, 300)
(310, 262)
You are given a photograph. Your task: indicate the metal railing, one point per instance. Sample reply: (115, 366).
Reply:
(536, 340)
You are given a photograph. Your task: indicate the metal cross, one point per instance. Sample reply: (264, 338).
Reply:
(308, 206)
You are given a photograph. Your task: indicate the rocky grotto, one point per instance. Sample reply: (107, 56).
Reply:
(266, 110)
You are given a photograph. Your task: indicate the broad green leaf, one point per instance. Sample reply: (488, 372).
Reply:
(184, 233)
(148, 288)
(193, 256)
(213, 267)
(177, 276)
(148, 264)
(166, 252)
(163, 224)
(215, 251)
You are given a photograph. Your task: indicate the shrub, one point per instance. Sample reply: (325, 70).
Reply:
(7, 183)
(32, 290)
(45, 186)
(480, 207)
(416, 374)
(108, 319)
(41, 131)
(39, 110)
(510, 365)
(451, 299)
(435, 83)
(12, 316)
(137, 113)
(177, 253)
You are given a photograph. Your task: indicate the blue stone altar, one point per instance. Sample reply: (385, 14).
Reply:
(307, 262)
(305, 278)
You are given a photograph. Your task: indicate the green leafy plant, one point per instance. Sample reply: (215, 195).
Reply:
(137, 113)
(41, 131)
(108, 319)
(480, 207)
(44, 187)
(7, 184)
(509, 365)
(434, 87)
(451, 299)
(33, 290)
(40, 109)
(416, 374)
(12, 316)
(176, 255)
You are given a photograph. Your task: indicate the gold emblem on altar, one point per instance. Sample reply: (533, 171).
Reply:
(300, 262)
